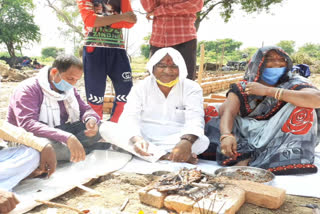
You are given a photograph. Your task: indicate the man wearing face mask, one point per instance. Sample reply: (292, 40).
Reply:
(49, 106)
(269, 119)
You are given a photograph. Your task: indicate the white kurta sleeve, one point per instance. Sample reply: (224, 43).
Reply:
(131, 116)
(194, 113)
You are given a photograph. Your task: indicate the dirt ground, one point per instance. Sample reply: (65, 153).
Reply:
(117, 187)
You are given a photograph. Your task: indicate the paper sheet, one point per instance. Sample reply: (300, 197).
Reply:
(110, 132)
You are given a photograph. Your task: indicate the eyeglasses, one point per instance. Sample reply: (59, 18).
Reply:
(274, 60)
(163, 66)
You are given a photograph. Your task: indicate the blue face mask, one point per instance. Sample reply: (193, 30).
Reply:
(272, 75)
(62, 85)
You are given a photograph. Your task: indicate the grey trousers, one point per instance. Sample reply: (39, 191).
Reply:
(77, 129)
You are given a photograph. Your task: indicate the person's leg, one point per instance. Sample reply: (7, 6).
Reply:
(17, 163)
(89, 143)
(188, 51)
(95, 75)
(200, 145)
(121, 77)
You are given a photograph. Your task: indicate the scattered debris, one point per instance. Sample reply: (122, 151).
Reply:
(123, 206)
(52, 204)
(93, 193)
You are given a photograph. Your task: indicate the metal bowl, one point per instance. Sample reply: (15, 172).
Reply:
(246, 173)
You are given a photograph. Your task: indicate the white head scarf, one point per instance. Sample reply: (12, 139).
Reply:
(176, 57)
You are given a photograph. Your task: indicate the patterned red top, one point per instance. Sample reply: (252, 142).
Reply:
(173, 21)
(107, 36)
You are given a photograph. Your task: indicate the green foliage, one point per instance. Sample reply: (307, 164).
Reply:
(5, 54)
(228, 45)
(46, 60)
(287, 46)
(247, 53)
(138, 64)
(214, 50)
(302, 58)
(17, 28)
(145, 48)
(312, 50)
(51, 52)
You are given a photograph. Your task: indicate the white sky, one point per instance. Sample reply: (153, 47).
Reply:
(295, 20)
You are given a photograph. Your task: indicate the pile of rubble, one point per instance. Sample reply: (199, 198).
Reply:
(12, 75)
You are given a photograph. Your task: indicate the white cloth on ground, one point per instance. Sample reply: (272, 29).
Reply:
(17, 163)
(112, 132)
(50, 110)
(163, 120)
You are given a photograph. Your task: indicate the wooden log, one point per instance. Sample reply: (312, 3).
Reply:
(213, 100)
(217, 96)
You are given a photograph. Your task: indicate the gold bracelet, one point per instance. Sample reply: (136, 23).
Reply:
(276, 94)
(281, 93)
(278, 98)
(222, 137)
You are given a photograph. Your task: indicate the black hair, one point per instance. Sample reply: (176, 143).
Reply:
(64, 62)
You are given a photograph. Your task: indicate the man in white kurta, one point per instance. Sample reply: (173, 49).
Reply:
(166, 110)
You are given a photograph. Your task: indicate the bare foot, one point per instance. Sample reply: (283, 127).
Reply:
(243, 162)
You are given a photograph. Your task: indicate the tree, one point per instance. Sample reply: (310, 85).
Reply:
(227, 45)
(248, 52)
(287, 46)
(51, 52)
(227, 7)
(313, 50)
(214, 50)
(145, 47)
(67, 12)
(17, 28)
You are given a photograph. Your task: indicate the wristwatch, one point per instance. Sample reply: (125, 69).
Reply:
(189, 137)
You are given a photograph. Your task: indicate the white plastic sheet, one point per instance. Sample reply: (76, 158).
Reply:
(67, 177)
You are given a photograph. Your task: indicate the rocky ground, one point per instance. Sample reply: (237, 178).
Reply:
(117, 187)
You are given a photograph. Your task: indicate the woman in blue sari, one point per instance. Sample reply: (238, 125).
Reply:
(268, 119)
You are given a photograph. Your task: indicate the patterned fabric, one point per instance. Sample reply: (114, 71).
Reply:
(275, 135)
(106, 36)
(299, 122)
(268, 147)
(173, 21)
(209, 113)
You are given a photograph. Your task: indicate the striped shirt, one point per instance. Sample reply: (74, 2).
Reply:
(106, 36)
(173, 21)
